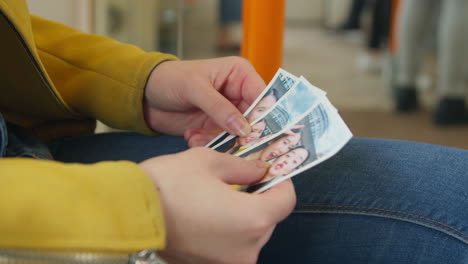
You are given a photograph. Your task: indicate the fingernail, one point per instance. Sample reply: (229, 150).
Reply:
(262, 164)
(239, 125)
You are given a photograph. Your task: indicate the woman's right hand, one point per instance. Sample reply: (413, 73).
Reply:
(207, 221)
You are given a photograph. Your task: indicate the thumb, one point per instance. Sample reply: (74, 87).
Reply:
(277, 202)
(235, 170)
(221, 110)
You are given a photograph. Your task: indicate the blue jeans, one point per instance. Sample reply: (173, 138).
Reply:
(16, 141)
(377, 201)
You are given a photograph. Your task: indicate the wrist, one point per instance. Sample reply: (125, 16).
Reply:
(146, 168)
(152, 169)
(154, 83)
(155, 97)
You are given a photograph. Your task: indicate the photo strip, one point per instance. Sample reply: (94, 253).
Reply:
(302, 97)
(319, 135)
(281, 83)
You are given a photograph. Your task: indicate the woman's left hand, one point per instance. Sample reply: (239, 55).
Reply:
(201, 97)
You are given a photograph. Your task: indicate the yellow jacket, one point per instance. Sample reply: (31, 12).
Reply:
(55, 81)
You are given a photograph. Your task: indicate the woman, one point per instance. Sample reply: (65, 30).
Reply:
(265, 104)
(55, 82)
(275, 148)
(282, 166)
(287, 163)
(238, 144)
(125, 207)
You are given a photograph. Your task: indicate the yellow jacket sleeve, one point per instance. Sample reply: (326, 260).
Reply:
(95, 75)
(105, 206)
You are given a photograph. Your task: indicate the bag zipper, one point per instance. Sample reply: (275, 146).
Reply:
(15, 256)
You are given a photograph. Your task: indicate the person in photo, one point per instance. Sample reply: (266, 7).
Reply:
(275, 148)
(287, 162)
(282, 166)
(238, 144)
(263, 105)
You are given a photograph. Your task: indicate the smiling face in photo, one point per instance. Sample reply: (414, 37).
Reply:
(257, 131)
(288, 162)
(280, 146)
(263, 105)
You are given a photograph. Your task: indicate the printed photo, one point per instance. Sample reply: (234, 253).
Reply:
(287, 138)
(234, 145)
(281, 83)
(289, 109)
(278, 87)
(322, 134)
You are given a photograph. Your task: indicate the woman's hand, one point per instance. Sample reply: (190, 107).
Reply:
(207, 221)
(205, 95)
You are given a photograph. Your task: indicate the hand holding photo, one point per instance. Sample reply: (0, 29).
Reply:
(281, 83)
(274, 148)
(235, 144)
(294, 127)
(301, 97)
(324, 133)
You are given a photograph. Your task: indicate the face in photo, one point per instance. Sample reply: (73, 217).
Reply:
(257, 130)
(288, 162)
(275, 148)
(280, 146)
(282, 166)
(235, 144)
(262, 107)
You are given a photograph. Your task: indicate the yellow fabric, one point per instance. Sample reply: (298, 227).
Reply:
(55, 81)
(50, 205)
(69, 75)
(242, 148)
(97, 76)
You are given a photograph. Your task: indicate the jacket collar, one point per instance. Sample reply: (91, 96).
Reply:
(18, 14)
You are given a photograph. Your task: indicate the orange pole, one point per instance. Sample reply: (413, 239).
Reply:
(394, 26)
(263, 29)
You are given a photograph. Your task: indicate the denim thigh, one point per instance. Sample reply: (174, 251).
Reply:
(376, 201)
(22, 143)
(115, 146)
(16, 141)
